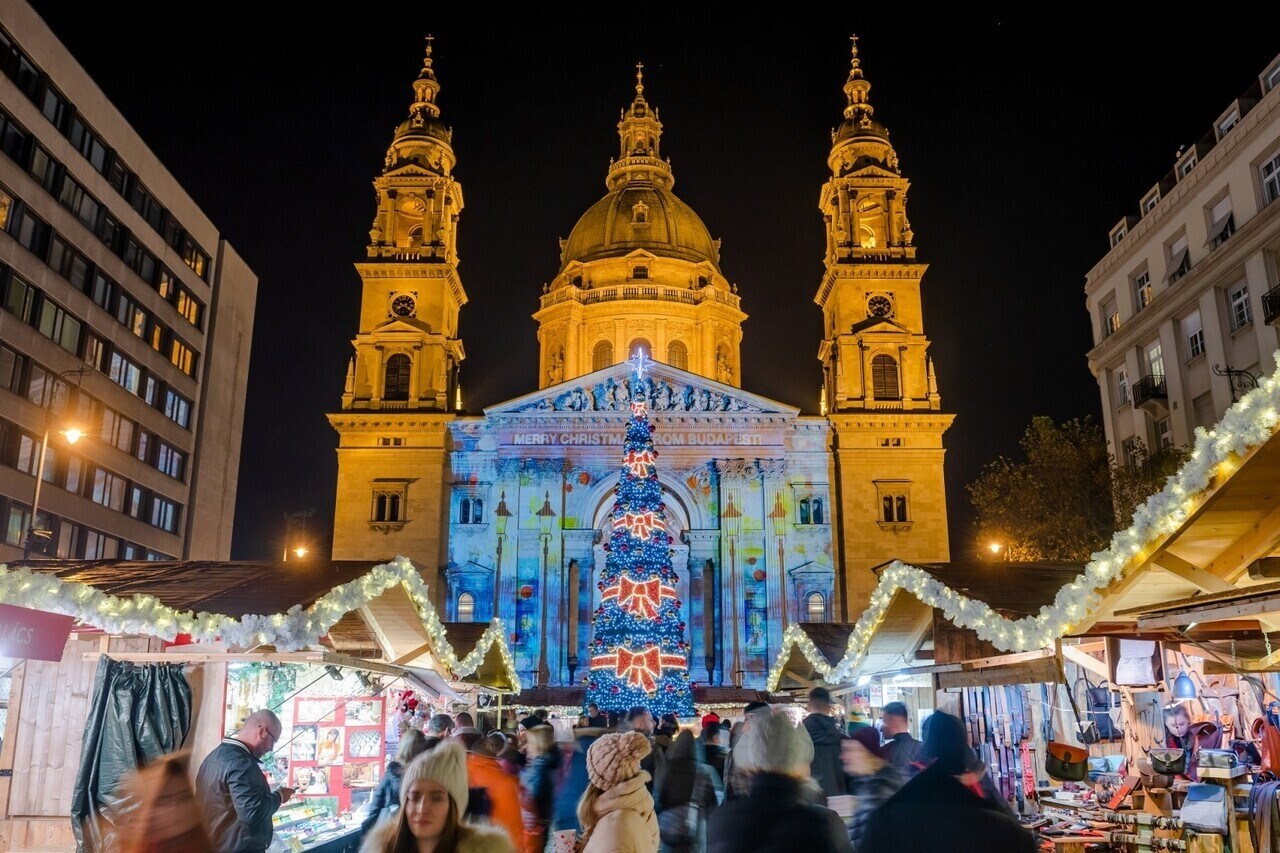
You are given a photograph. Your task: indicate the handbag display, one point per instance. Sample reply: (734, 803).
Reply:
(1102, 707)
(1205, 808)
(1220, 759)
(1065, 762)
(1168, 761)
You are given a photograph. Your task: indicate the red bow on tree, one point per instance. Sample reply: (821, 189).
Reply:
(640, 668)
(640, 524)
(643, 598)
(638, 462)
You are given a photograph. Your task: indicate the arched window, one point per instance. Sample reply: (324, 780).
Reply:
(804, 510)
(396, 386)
(466, 607)
(415, 236)
(602, 355)
(678, 355)
(639, 345)
(380, 508)
(887, 514)
(464, 512)
(884, 378)
(817, 510)
(816, 607)
(477, 511)
(901, 503)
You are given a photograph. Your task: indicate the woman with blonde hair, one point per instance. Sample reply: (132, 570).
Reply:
(616, 811)
(433, 797)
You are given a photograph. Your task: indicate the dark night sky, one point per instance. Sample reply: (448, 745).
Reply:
(1024, 144)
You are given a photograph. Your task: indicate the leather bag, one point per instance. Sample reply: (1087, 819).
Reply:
(1065, 762)
(1168, 761)
(1219, 759)
(1205, 808)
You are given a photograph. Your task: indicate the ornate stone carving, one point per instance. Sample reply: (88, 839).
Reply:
(614, 395)
(772, 469)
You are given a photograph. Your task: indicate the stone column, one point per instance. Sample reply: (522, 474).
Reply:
(704, 603)
(572, 629)
(774, 474)
(377, 371)
(855, 235)
(733, 480)
(891, 224)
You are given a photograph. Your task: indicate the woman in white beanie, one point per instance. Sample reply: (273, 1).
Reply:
(616, 812)
(433, 797)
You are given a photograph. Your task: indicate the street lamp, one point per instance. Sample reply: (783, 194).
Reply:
(778, 515)
(72, 435)
(994, 547)
(732, 519)
(299, 520)
(501, 514)
(545, 517)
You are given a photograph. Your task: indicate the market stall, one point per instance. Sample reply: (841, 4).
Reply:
(334, 652)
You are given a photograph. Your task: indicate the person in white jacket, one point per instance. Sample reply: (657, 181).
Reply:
(616, 811)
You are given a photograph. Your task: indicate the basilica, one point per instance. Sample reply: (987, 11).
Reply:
(777, 516)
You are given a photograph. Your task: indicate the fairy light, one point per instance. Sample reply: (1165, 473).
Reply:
(1247, 424)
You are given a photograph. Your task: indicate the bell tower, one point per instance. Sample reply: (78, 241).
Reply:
(878, 382)
(402, 383)
(407, 350)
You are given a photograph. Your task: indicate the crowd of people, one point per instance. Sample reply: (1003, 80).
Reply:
(631, 783)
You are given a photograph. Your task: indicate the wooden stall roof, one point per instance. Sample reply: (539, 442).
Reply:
(235, 588)
(709, 695)
(493, 671)
(1236, 523)
(1013, 589)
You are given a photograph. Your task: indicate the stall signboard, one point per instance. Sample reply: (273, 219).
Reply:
(33, 634)
(337, 748)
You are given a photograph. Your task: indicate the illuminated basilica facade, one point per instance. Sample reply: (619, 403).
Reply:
(777, 517)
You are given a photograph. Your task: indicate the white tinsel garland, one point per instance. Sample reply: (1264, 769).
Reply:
(1247, 424)
(290, 631)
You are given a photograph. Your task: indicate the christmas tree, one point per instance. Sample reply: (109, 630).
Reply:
(638, 652)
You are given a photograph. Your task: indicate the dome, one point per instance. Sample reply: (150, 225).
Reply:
(422, 125)
(854, 128)
(670, 229)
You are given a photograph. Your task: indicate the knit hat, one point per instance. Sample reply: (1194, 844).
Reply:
(615, 758)
(446, 765)
(870, 738)
(773, 745)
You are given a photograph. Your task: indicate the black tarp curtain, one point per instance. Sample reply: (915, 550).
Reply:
(138, 713)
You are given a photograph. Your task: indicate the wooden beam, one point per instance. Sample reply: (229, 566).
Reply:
(1260, 607)
(970, 665)
(1180, 568)
(1086, 661)
(413, 655)
(1260, 541)
(314, 658)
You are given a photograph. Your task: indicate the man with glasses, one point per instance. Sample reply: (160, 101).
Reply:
(232, 789)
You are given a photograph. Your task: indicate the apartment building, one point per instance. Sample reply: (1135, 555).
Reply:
(125, 322)
(1186, 302)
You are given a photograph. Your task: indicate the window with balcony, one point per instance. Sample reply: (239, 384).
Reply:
(1241, 312)
(1193, 334)
(1155, 359)
(1143, 292)
(1269, 175)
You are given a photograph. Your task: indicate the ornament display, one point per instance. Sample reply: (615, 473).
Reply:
(758, 574)
(526, 592)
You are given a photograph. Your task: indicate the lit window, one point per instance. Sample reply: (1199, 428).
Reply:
(602, 355)
(1142, 290)
(816, 607)
(466, 607)
(1110, 317)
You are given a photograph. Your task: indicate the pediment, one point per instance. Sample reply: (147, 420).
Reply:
(402, 324)
(878, 324)
(410, 169)
(871, 170)
(668, 389)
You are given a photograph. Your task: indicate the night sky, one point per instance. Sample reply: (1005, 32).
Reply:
(1024, 145)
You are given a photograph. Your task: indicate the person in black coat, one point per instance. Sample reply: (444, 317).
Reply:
(386, 797)
(775, 816)
(826, 769)
(939, 811)
(232, 791)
